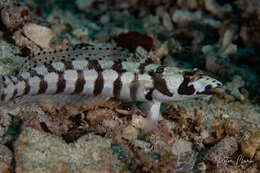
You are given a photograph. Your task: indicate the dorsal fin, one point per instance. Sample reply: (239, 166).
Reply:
(80, 52)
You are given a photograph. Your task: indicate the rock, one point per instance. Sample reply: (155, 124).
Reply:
(80, 32)
(40, 35)
(181, 146)
(6, 157)
(250, 145)
(234, 88)
(37, 151)
(250, 17)
(6, 154)
(14, 14)
(4, 168)
(5, 122)
(232, 126)
(130, 132)
(183, 17)
(214, 8)
(222, 151)
(84, 4)
(191, 4)
(167, 23)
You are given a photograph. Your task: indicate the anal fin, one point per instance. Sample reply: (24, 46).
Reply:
(60, 100)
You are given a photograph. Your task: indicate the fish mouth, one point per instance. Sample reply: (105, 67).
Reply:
(211, 91)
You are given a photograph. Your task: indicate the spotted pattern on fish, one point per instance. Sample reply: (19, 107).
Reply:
(59, 66)
(104, 71)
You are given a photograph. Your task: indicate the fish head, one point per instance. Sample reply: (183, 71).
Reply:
(184, 84)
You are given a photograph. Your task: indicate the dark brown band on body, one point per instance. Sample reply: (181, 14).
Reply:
(43, 85)
(14, 92)
(79, 85)
(160, 83)
(68, 65)
(61, 84)
(27, 87)
(99, 84)
(93, 64)
(184, 89)
(143, 65)
(50, 68)
(117, 85)
(118, 67)
(134, 87)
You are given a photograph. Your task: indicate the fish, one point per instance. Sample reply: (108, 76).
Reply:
(103, 72)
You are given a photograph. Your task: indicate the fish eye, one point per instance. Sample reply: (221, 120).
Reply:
(188, 73)
(160, 69)
(208, 87)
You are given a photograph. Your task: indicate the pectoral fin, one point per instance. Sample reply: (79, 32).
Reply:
(152, 109)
